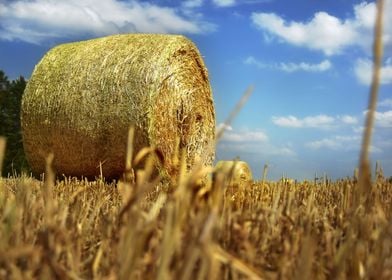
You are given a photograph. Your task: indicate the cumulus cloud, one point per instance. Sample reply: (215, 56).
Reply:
(346, 119)
(231, 3)
(222, 129)
(250, 60)
(291, 66)
(384, 119)
(224, 3)
(332, 144)
(340, 143)
(224, 126)
(358, 129)
(335, 143)
(363, 70)
(303, 66)
(248, 136)
(386, 103)
(318, 121)
(251, 142)
(266, 149)
(283, 151)
(39, 20)
(231, 135)
(325, 32)
(190, 4)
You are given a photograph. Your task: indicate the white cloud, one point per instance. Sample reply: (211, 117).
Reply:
(39, 20)
(190, 4)
(224, 126)
(332, 144)
(386, 103)
(374, 149)
(340, 143)
(319, 121)
(348, 138)
(282, 151)
(336, 143)
(224, 3)
(346, 119)
(289, 121)
(251, 142)
(243, 139)
(363, 70)
(358, 129)
(231, 3)
(264, 149)
(245, 136)
(325, 32)
(303, 66)
(290, 67)
(250, 60)
(384, 119)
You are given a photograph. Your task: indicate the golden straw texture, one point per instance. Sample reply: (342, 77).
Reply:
(238, 172)
(83, 97)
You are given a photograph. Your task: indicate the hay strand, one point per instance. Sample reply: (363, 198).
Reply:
(364, 164)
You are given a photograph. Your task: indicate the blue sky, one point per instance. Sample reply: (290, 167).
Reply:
(309, 62)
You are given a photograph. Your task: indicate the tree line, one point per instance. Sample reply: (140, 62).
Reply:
(11, 93)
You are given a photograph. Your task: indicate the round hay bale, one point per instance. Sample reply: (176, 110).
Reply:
(238, 172)
(82, 98)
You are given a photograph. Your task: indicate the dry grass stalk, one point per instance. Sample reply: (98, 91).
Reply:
(244, 98)
(83, 97)
(265, 171)
(281, 231)
(364, 164)
(2, 152)
(129, 172)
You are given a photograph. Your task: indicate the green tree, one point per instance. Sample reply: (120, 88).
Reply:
(4, 91)
(10, 127)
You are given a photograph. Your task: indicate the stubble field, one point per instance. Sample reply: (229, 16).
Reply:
(76, 229)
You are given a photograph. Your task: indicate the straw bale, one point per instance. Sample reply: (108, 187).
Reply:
(82, 98)
(238, 172)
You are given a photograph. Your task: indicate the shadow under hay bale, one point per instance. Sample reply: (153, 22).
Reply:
(83, 97)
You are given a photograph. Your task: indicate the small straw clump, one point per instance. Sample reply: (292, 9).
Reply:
(83, 97)
(236, 172)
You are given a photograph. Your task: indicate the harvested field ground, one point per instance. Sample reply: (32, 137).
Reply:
(72, 229)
